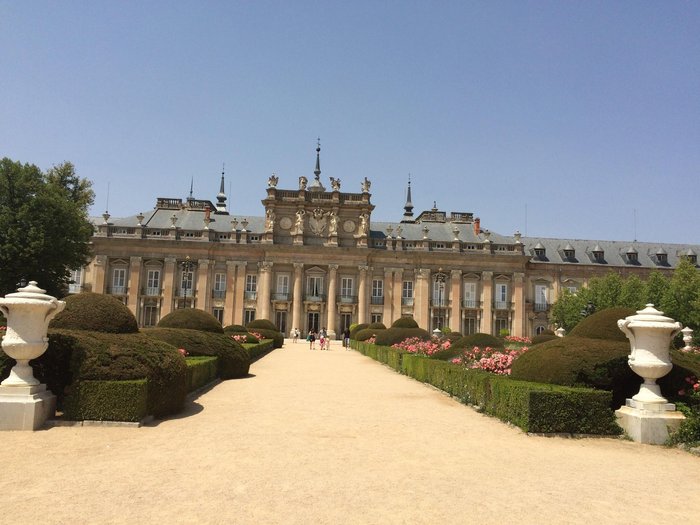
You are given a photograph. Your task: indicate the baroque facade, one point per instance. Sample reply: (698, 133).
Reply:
(316, 259)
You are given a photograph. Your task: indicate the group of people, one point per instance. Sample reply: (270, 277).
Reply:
(322, 337)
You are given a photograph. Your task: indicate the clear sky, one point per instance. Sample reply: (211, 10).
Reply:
(559, 118)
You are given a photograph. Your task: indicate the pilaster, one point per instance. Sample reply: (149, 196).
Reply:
(362, 294)
(239, 293)
(134, 284)
(331, 303)
(487, 302)
(202, 293)
(388, 296)
(264, 278)
(168, 286)
(519, 304)
(421, 304)
(230, 292)
(297, 296)
(456, 300)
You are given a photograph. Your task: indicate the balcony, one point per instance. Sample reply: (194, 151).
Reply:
(281, 296)
(501, 305)
(347, 299)
(376, 300)
(75, 288)
(407, 301)
(541, 307)
(185, 292)
(218, 294)
(439, 302)
(251, 296)
(471, 303)
(152, 291)
(315, 298)
(117, 290)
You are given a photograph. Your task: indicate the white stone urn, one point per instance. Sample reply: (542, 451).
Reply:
(687, 338)
(28, 312)
(650, 334)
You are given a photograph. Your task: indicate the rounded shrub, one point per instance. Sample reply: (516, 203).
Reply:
(191, 319)
(479, 339)
(237, 328)
(261, 324)
(356, 328)
(97, 312)
(363, 335)
(233, 362)
(602, 325)
(404, 322)
(392, 336)
(276, 336)
(377, 326)
(543, 338)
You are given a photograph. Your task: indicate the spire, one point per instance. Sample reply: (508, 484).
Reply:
(316, 183)
(191, 187)
(221, 197)
(408, 208)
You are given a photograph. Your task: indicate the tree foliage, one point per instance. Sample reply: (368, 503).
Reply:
(682, 297)
(44, 226)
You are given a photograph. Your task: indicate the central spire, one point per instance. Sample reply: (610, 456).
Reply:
(408, 207)
(221, 197)
(316, 183)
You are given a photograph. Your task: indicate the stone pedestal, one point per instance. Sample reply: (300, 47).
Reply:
(649, 423)
(25, 407)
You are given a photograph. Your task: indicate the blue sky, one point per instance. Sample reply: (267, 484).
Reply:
(578, 112)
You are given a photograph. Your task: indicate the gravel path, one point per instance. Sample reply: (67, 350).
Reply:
(334, 437)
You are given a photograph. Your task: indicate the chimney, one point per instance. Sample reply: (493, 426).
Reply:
(207, 212)
(477, 226)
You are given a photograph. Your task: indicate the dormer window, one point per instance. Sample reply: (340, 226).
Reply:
(690, 255)
(569, 253)
(540, 251)
(632, 255)
(598, 254)
(661, 257)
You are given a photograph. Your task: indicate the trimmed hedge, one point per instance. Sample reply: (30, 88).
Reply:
(238, 328)
(263, 324)
(366, 333)
(201, 371)
(107, 401)
(392, 336)
(96, 312)
(404, 322)
(603, 325)
(234, 360)
(377, 326)
(542, 338)
(260, 349)
(481, 340)
(356, 328)
(276, 336)
(192, 319)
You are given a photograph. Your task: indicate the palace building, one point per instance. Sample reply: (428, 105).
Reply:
(316, 259)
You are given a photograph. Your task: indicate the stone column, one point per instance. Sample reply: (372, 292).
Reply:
(362, 294)
(456, 300)
(99, 265)
(421, 302)
(398, 291)
(230, 289)
(297, 297)
(202, 294)
(331, 304)
(388, 296)
(169, 275)
(134, 285)
(519, 304)
(264, 278)
(486, 302)
(239, 293)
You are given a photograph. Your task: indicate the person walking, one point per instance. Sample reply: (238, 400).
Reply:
(346, 338)
(311, 338)
(295, 335)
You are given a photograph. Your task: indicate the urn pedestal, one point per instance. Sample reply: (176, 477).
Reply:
(648, 417)
(24, 403)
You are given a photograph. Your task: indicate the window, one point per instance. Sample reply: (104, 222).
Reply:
(76, 281)
(314, 286)
(470, 326)
(219, 286)
(283, 284)
(153, 283)
(119, 281)
(541, 291)
(248, 316)
(376, 318)
(186, 281)
(572, 288)
(377, 291)
(345, 321)
(251, 287)
(150, 315)
(219, 314)
(502, 325)
(470, 300)
(439, 291)
(540, 329)
(346, 287)
(407, 293)
(281, 321)
(569, 254)
(502, 296)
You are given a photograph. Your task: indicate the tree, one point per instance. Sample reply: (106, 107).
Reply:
(633, 293)
(569, 308)
(605, 291)
(683, 294)
(656, 286)
(44, 225)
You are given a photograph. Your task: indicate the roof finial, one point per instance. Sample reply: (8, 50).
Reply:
(317, 171)
(191, 187)
(221, 197)
(408, 208)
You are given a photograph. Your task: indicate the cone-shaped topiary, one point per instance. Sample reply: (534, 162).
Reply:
(603, 325)
(405, 322)
(192, 319)
(97, 312)
(263, 324)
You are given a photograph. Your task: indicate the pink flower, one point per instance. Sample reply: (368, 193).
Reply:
(182, 351)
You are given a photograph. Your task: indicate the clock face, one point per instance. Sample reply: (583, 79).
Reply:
(285, 223)
(349, 226)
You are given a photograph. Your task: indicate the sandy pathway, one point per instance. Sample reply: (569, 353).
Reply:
(334, 437)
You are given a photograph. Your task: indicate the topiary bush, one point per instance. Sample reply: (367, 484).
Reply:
(377, 326)
(276, 336)
(542, 338)
(392, 336)
(602, 325)
(237, 328)
(234, 360)
(479, 339)
(404, 322)
(97, 312)
(365, 334)
(191, 319)
(261, 324)
(356, 328)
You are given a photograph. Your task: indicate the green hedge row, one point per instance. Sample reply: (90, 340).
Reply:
(107, 400)
(201, 371)
(534, 407)
(260, 349)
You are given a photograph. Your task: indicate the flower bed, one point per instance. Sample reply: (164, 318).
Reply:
(416, 345)
(490, 359)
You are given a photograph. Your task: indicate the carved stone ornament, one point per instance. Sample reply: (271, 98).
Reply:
(303, 181)
(366, 185)
(317, 222)
(272, 181)
(285, 223)
(349, 226)
(335, 184)
(269, 220)
(332, 223)
(299, 223)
